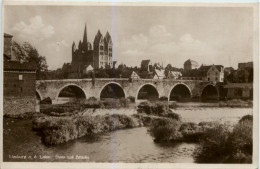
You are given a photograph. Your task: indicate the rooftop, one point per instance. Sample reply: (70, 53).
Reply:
(14, 65)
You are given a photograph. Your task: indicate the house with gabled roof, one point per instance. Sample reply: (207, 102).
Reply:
(212, 73)
(134, 75)
(159, 74)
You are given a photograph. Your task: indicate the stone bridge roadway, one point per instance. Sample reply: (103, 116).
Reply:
(94, 88)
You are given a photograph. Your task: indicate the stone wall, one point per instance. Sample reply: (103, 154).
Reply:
(15, 87)
(52, 88)
(16, 105)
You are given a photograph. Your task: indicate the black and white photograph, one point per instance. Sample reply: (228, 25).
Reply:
(148, 83)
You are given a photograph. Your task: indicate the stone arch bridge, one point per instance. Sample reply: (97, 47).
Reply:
(162, 88)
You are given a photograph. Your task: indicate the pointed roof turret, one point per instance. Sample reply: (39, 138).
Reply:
(107, 36)
(98, 37)
(85, 39)
(80, 44)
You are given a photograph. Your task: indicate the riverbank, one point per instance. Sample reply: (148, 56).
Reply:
(218, 142)
(62, 126)
(236, 103)
(103, 122)
(127, 142)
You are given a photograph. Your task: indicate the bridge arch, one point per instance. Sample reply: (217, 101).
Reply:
(179, 92)
(116, 91)
(76, 88)
(38, 95)
(143, 91)
(209, 93)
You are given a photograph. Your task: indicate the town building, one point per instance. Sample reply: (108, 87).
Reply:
(146, 65)
(146, 70)
(174, 75)
(134, 75)
(88, 69)
(239, 90)
(190, 64)
(19, 82)
(159, 74)
(98, 55)
(213, 73)
(8, 45)
(245, 65)
(228, 70)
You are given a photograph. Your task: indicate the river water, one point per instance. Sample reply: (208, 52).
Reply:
(129, 145)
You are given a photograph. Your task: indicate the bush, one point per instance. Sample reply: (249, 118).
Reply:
(56, 130)
(246, 118)
(242, 142)
(173, 105)
(214, 147)
(163, 98)
(155, 108)
(165, 130)
(158, 109)
(191, 132)
(221, 144)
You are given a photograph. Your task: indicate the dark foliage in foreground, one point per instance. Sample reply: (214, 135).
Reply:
(165, 130)
(218, 143)
(222, 144)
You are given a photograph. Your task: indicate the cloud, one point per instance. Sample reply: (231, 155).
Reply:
(34, 31)
(160, 45)
(57, 46)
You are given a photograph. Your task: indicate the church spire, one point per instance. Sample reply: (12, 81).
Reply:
(85, 39)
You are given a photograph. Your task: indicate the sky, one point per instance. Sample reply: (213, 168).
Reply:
(164, 34)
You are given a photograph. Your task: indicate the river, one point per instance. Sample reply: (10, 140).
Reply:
(129, 145)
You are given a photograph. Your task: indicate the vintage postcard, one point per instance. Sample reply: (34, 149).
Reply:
(129, 85)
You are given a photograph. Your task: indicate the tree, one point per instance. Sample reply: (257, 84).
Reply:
(19, 52)
(27, 53)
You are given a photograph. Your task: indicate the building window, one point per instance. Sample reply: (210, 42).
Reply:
(216, 79)
(14, 85)
(208, 79)
(20, 77)
(101, 47)
(101, 53)
(21, 89)
(216, 73)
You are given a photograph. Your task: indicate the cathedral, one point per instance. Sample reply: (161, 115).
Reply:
(86, 55)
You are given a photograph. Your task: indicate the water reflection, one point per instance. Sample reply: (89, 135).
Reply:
(130, 145)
